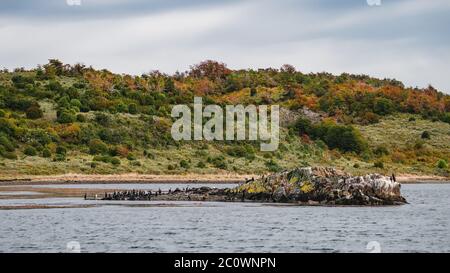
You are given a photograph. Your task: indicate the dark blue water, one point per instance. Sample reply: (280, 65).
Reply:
(421, 226)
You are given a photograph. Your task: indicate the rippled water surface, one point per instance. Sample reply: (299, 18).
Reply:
(118, 226)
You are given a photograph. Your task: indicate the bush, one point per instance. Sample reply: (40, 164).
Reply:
(442, 164)
(60, 150)
(101, 118)
(131, 157)
(303, 126)
(6, 143)
(30, 151)
(171, 167)
(218, 162)
(46, 153)
(201, 165)
(10, 155)
(236, 151)
(383, 106)
(75, 102)
(184, 164)
(272, 166)
(425, 135)
(59, 157)
(356, 166)
(65, 116)
(81, 118)
(378, 164)
(115, 161)
(132, 108)
(34, 112)
(411, 119)
(96, 146)
(445, 117)
(381, 150)
(345, 138)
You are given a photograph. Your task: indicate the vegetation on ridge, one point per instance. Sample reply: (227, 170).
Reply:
(61, 118)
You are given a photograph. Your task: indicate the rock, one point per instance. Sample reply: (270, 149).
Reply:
(304, 186)
(327, 186)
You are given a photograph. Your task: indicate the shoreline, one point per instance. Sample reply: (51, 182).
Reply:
(133, 178)
(130, 178)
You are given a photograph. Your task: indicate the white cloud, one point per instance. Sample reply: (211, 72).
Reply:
(249, 34)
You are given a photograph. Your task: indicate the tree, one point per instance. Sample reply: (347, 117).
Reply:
(212, 70)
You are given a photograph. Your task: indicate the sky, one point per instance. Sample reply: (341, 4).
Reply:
(408, 40)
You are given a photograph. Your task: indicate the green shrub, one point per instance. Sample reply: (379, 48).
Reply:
(81, 118)
(303, 126)
(425, 135)
(356, 166)
(184, 164)
(46, 153)
(135, 163)
(115, 161)
(345, 138)
(9, 155)
(442, 164)
(96, 146)
(236, 151)
(381, 150)
(75, 102)
(101, 118)
(131, 156)
(218, 162)
(59, 157)
(6, 143)
(272, 166)
(445, 117)
(132, 108)
(171, 167)
(34, 112)
(60, 150)
(31, 151)
(383, 106)
(378, 164)
(201, 165)
(65, 116)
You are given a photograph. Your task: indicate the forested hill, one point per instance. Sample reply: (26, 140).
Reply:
(60, 118)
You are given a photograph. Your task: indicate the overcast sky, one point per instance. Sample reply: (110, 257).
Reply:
(404, 39)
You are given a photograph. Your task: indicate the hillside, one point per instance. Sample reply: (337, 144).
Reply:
(61, 118)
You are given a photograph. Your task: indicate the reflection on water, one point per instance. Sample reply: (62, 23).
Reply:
(148, 226)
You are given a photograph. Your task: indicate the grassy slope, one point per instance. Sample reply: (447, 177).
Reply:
(394, 132)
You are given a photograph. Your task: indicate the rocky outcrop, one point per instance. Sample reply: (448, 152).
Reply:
(303, 186)
(319, 185)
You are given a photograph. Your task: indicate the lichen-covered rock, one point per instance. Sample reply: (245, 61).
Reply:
(326, 186)
(303, 186)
